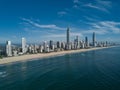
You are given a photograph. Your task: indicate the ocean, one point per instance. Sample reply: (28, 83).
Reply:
(92, 70)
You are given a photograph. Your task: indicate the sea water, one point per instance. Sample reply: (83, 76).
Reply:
(92, 70)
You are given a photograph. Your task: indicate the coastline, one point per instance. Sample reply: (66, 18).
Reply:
(28, 57)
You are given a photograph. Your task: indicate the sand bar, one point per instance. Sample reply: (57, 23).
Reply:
(43, 55)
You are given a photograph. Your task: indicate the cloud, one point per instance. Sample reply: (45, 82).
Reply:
(90, 18)
(99, 27)
(62, 13)
(56, 36)
(110, 26)
(76, 1)
(100, 5)
(77, 4)
(50, 26)
(97, 31)
(32, 30)
(77, 34)
(104, 27)
(61, 35)
(104, 3)
(96, 7)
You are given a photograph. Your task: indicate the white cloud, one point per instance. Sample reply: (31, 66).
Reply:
(76, 1)
(97, 31)
(61, 13)
(111, 26)
(76, 6)
(32, 30)
(63, 35)
(100, 5)
(50, 26)
(105, 3)
(100, 27)
(77, 34)
(56, 36)
(104, 27)
(96, 7)
(90, 18)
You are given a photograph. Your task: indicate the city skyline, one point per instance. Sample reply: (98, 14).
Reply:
(51, 46)
(45, 20)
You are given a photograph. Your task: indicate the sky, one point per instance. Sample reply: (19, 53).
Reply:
(39, 20)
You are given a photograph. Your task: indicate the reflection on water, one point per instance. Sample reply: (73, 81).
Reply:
(94, 70)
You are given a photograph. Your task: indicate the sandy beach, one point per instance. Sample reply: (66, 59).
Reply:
(43, 55)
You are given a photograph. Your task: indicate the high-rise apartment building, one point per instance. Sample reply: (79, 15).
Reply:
(24, 46)
(94, 39)
(8, 48)
(86, 42)
(68, 36)
(68, 39)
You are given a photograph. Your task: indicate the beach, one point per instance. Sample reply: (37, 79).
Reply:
(27, 57)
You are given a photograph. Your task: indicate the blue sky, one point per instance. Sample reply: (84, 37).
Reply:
(39, 20)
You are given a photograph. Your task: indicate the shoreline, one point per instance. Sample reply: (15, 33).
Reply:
(28, 57)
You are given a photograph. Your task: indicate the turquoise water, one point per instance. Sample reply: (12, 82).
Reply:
(93, 70)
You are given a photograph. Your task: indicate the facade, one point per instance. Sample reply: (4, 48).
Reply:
(63, 45)
(8, 48)
(68, 36)
(24, 48)
(94, 40)
(68, 39)
(51, 45)
(77, 42)
(86, 42)
(58, 44)
(46, 46)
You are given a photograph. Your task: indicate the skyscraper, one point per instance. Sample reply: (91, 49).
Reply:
(51, 45)
(8, 48)
(24, 49)
(77, 39)
(46, 46)
(67, 39)
(86, 42)
(94, 41)
(58, 44)
(68, 35)
(76, 43)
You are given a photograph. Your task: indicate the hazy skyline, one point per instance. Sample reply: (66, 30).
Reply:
(39, 20)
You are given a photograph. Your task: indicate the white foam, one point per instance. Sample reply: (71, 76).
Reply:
(3, 74)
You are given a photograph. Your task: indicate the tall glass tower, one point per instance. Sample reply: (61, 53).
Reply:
(68, 35)
(86, 42)
(94, 41)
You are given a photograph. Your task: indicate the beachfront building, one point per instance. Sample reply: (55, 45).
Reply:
(68, 36)
(8, 48)
(86, 42)
(68, 39)
(63, 45)
(76, 43)
(82, 44)
(15, 53)
(51, 45)
(46, 47)
(58, 44)
(41, 48)
(24, 46)
(94, 40)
